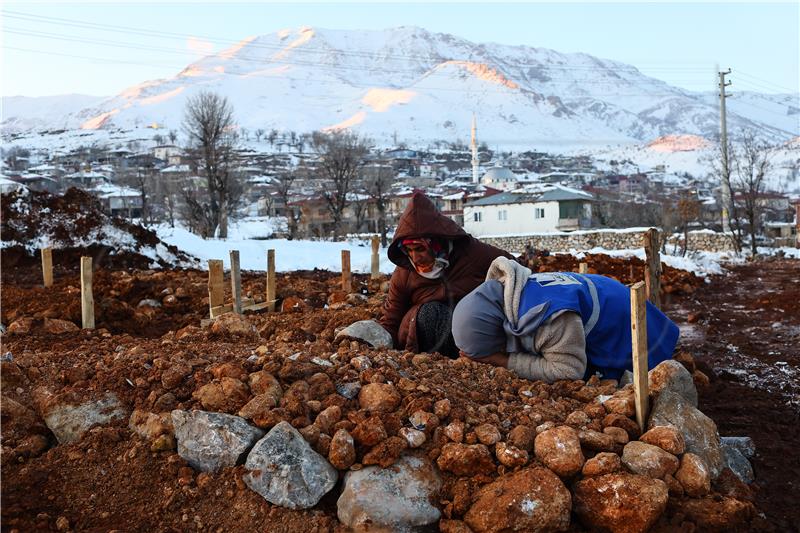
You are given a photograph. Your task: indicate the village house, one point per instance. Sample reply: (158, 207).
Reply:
(554, 208)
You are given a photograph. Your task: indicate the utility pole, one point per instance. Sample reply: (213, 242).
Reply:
(726, 171)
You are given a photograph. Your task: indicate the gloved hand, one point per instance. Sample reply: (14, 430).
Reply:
(368, 331)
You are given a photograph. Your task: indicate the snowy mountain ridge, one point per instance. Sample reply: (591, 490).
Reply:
(417, 86)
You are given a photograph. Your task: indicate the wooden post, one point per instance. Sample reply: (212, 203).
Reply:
(271, 279)
(347, 280)
(652, 273)
(47, 266)
(376, 258)
(583, 268)
(236, 282)
(216, 284)
(639, 345)
(87, 299)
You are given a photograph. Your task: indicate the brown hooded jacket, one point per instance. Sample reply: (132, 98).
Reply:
(469, 261)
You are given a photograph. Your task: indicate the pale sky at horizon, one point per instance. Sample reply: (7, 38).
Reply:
(680, 43)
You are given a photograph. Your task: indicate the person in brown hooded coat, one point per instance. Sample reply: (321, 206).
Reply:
(438, 263)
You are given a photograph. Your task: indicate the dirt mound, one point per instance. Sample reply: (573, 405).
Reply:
(74, 225)
(114, 477)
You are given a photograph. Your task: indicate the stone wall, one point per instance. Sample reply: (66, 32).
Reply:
(608, 239)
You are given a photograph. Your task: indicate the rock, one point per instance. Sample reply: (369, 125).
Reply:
(69, 422)
(31, 446)
(342, 451)
(149, 302)
(327, 418)
(286, 471)
(560, 450)
(453, 526)
(455, 431)
(620, 502)
(509, 455)
(21, 326)
(163, 443)
(258, 406)
(578, 419)
(173, 375)
(699, 432)
(694, 476)
(293, 304)
(234, 325)
(386, 453)
(738, 463)
(401, 498)
(672, 376)
(621, 402)
(150, 425)
(718, 514)
(648, 460)
(414, 437)
(379, 397)
(465, 459)
(370, 432)
(349, 390)
(598, 442)
(522, 437)
(55, 326)
(442, 408)
(531, 500)
(368, 331)
(229, 370)
(667, 438)
(601, 464)
(424, 421)
(623, 422)
(488, 434)
(18, 420)
(356, 299)
(263, 382)
(619, 435)
(227, 395)
(211, 441)
(745, 445)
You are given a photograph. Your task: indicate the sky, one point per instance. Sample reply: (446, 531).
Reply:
(101, 48)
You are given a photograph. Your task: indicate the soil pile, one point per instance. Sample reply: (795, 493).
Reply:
(74, 225)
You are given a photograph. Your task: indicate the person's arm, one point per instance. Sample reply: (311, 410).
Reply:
(397, 303)
(562, 345)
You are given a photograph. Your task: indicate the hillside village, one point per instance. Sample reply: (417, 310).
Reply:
(514, 193)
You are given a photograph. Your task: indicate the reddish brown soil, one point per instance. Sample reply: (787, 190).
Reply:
(111, 480)
(746, 340)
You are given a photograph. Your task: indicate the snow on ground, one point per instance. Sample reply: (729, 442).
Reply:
(289, 255)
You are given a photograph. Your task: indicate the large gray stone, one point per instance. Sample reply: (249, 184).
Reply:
(672, 376)
(738, 463)
(368, 331)
(699, 432)
(211, 441)
(286, 471)
(399, 498)
(70, 422)
(745, 445)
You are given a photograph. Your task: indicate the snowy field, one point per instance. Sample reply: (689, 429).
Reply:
(251, 237)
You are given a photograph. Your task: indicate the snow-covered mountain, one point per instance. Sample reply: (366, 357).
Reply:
(24, 113)
(416, 86)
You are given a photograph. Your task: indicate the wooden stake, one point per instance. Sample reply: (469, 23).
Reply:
(271, 279)
(652, 273)
(87, 299)
(216, 284)
(583, 268)
(376, 258)
(347, 279)
(47, 266)
(236, 282)
(639, 345)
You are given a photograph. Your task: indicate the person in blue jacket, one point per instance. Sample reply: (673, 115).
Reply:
(556, 325)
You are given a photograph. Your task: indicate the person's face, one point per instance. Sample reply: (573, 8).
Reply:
(421, 256)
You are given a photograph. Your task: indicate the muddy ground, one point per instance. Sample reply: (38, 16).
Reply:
(111, 480)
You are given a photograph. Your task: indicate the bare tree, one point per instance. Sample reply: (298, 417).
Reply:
(284, 189)
(341, 155)
(752, 160)
(259, 133)
(209, 125)
(688, 211)
(173, 136)
(378, 182)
